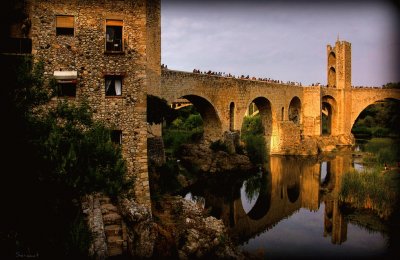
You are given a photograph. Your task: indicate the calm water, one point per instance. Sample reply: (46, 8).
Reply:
(290, 209)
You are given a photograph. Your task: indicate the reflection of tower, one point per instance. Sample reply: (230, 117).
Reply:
(310, 186)
(334, 223)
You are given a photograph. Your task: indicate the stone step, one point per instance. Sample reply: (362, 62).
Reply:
(108, 208)
(115, 250)
(112, 219)
(104, 200)
(115, 245)
(115, 240)
(113, 230)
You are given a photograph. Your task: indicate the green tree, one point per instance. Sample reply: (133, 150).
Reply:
(253, 137)
(193, 122)
(55, 155)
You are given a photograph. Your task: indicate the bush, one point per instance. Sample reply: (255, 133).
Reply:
(252, 126)
(193, 122)
(253, 137)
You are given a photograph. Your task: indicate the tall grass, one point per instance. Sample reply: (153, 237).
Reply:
(370, 190)
(382, 150)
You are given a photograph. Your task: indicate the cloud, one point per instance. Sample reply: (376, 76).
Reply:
(278, 41)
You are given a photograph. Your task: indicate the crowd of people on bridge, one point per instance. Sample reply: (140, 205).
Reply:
(269, 80)
(229, 75)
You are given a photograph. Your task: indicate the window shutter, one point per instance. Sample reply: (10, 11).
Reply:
(64, 21)
(114, 23)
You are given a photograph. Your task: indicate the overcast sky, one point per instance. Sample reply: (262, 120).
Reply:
(281, 41)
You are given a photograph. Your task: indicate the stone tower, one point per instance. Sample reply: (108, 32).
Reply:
(339, 77)
(339, 65)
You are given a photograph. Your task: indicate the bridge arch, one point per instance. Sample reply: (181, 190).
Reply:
(294, 111)
(362, 104)
(264, 107)
(329, 115)
(211, 120)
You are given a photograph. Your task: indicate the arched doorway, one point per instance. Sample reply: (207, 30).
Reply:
(328, 116)
(295, 110)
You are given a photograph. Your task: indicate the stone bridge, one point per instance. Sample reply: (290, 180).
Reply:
(289, 113)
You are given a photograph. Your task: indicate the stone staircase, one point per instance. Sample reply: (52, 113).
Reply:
(114, 228)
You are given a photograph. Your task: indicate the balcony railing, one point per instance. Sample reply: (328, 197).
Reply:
(16, 45)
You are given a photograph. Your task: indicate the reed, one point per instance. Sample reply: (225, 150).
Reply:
(372, 189)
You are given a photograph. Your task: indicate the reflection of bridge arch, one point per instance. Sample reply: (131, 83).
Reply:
(211, 120)
(263, 203)
(281, 176)
(329, 114)
(293, 192)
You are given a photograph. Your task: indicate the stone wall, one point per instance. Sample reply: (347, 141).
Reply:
(155, 150)
(84, 52)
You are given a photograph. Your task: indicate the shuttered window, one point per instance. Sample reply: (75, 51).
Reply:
(65, 25)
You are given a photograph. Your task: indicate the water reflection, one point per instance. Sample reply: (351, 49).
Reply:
(296, 195)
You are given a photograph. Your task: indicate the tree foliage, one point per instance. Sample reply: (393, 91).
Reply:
(379, 120)
(55, 155)
(253, 137)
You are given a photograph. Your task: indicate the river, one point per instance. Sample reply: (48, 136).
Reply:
(290, 208)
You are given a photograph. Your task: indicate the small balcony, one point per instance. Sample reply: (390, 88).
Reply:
(16, 46)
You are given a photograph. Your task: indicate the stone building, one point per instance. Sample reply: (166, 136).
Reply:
(107, 52)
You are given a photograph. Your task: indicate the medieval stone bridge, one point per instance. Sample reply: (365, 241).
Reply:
(289, 113)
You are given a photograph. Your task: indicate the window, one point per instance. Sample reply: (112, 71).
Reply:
(114, 35)
(116, 136)
(66, 89)
(66, 83)
(113, 85)
(65, 25)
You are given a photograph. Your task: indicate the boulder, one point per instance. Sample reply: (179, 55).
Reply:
(211, 161)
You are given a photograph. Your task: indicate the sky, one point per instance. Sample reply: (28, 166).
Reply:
(282, 40)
